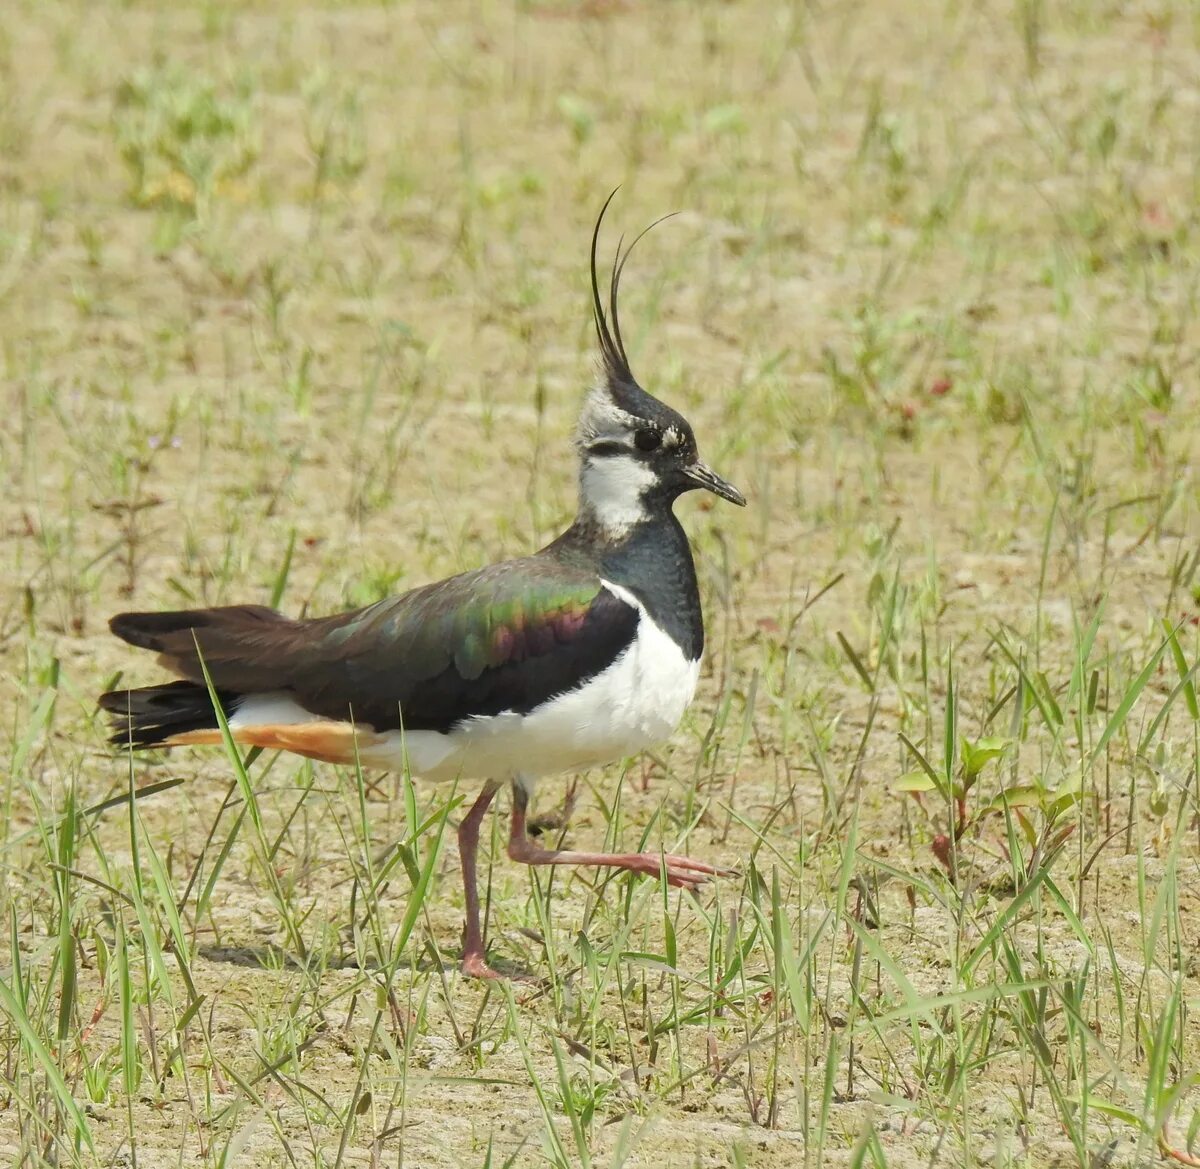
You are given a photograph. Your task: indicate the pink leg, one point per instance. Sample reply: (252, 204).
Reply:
(682, 871)
(474, 963)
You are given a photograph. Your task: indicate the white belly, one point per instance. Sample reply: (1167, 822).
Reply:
(633, 704)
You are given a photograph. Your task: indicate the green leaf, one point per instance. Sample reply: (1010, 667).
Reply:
(1050, 707)
(1066, 909)
(1061, 800)
(976, 756)
(1126, 704)
(914, 781)
(1116, 1112)
(925, 765)
(1185, 672)
(856, 662)
(1024, 795)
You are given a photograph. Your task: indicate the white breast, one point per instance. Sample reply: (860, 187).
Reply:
(633, 704)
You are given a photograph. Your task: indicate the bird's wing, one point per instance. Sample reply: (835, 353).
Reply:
(506, 637)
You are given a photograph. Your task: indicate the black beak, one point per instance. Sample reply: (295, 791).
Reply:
(707, 478)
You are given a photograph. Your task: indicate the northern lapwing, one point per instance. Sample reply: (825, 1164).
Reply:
(585, 652)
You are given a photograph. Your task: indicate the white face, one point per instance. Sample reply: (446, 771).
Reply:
(617, 469)
(612, 490)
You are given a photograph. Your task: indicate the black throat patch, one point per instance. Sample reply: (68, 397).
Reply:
(654, 562)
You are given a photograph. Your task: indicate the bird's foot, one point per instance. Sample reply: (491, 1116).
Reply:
(475, 965)
(682, 872)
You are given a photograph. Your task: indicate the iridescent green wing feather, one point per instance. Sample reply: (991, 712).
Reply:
(505, 638)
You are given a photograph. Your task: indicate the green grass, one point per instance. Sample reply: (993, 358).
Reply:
(293, 308)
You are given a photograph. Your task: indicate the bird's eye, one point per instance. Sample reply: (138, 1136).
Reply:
(648, 439)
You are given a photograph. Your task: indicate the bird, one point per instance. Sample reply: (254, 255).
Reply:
(584, 652)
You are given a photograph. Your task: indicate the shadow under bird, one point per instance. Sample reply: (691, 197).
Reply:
(585, 652)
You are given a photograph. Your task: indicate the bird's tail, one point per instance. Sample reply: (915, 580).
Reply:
(155, 716)
(252, 655)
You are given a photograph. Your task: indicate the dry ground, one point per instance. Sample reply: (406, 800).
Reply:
(293, 304)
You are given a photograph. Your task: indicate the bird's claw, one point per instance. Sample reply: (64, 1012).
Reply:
(682, 872)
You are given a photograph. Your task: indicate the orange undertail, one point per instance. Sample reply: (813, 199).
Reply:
(330, 742)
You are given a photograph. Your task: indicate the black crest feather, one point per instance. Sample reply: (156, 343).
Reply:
(612, 351)
(608, 327)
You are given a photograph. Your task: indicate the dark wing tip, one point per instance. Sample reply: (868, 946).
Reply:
(155, 630)
(148, 630)
(138, 629)
(114, 701)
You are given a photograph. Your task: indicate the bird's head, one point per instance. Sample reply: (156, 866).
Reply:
(636, 453)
